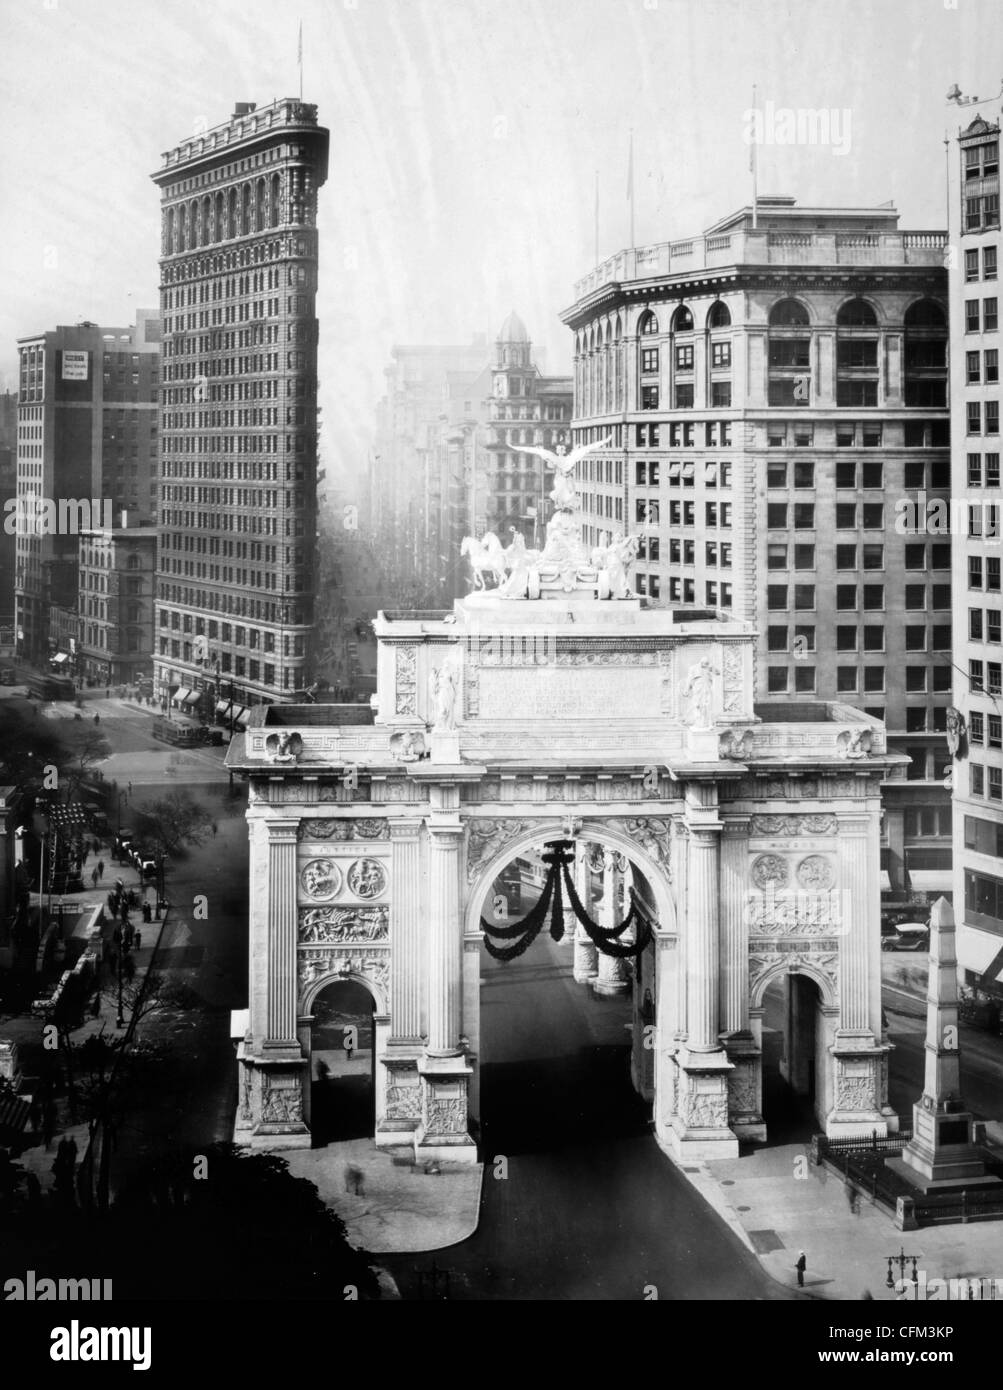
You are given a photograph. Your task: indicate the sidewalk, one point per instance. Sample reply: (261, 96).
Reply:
(777, 1202)
(402, 1209)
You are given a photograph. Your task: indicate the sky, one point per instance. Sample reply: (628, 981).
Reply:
(467, 141)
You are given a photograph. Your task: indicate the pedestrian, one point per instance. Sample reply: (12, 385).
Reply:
(100, 867)
(139, 939)
(215, 827)
(34, 1187)
(107, 693)
(97, 719)
(801, 1266)
(96, 1004)
(94, 877)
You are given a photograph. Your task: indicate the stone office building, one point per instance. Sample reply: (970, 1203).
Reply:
(238, 505)
(774, 390)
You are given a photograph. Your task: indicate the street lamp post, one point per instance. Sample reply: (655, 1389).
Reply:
(901, 1259)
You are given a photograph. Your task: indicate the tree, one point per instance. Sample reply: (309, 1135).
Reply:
(28, 744)
(173, 823)
(83, 747)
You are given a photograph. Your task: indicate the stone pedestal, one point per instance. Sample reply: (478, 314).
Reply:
(585, 965)
(445, 747)
(613, 975)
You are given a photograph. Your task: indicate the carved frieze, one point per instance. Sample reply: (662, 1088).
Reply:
(826, 963)
(855, 1093)
(446, 1116)
(706, 1110)
(405, 680)
(360, 828)
(485, 838)
(652, 835)
(281, 1102)
(806, 913)
(314, 963)
(742, 1089)
(318, 925)
(793, 825)
(732, 682)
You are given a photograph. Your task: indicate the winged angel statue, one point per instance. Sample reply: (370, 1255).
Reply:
(563, 492)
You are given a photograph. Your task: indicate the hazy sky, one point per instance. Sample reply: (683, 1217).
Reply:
(465, 136)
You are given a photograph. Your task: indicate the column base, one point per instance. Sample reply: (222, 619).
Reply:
(699, 1129)
(609, 987)
(442, 1135)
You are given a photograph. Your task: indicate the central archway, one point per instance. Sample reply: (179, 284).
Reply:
(652, 879)
(342, 1061)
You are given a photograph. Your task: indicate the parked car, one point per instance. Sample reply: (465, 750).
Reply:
(909, 936)
(8, 676)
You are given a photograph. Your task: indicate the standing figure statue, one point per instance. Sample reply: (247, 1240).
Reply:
(519, 561)
(443, 685)
(618, 558)
(699, 689)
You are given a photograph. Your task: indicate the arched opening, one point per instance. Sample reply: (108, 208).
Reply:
(794, 1040)
(788, 313)
(682, 320)
(342, 1063)
(561, 1056)
(856, 313)
(648, 323)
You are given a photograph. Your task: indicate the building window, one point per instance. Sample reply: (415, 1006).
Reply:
(990, 315)
(776, 597)
(720, 355)
(776, 677)
(683, 396)
(684, 357)
(972, 316)
(776, 639)
(720, 394)
(649, 397)
(649, 359)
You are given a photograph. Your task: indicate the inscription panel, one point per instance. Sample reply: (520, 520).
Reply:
(596, 692)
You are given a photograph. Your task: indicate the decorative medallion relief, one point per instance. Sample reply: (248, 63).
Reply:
(855, 1093)
(654, 836)
(318, 925)
(815, 872)
(770, 871)
(321, 878)
(367, 878)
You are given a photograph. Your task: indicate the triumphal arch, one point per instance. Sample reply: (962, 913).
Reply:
(698, 851)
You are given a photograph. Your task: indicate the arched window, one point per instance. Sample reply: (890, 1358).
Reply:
(925, 354)
(648, 323)
(245, 209)
(206, 221)
(169, 232)
(856, 313)
(132, 563)
(789, 313)
(682, 320)
(925, 313)
(261, 218)
(220, 230)
(719, 316)
(232, 211)
(182, 229)
(276, 200)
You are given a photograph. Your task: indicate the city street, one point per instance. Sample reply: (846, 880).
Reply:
(590, 1208)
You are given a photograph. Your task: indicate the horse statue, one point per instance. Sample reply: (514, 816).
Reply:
(485, 556)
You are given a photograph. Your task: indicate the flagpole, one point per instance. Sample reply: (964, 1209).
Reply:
(299, 56)
(596, 262)
(754, 158)
(630, 187)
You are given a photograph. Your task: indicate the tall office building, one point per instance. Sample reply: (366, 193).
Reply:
(974, 222)
(774, 390)
(86, 442)
(237, 525)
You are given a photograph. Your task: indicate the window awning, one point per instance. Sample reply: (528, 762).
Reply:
(223, 705)
(192, 697)
(242, 718)
(180, 696)
(886, 883)
(977, 951)
(60, 657)
(931, 880)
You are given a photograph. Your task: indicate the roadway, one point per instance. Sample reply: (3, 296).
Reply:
(591, 1209)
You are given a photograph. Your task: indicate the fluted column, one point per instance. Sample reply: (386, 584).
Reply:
(703, 923)
(444, 944)
(734, 929)
(613, 977)
(585, 967)
(856, 872)
(282, 983)
(406, 933)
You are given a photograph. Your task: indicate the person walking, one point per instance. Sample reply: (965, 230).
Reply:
(100, 870)
(801, 1266)
(215, 827)
(97, 720)
(95, 876)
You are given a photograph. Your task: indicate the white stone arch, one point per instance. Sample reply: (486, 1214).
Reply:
(339, 977)
(605, 831)
(826, 988)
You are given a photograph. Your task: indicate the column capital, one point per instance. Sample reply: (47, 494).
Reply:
(445, 828)
(282, 828)
(405, 829)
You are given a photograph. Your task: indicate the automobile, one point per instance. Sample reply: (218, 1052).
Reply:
(147, 867)
(123, 842)
(909, 936)
(8, 676)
